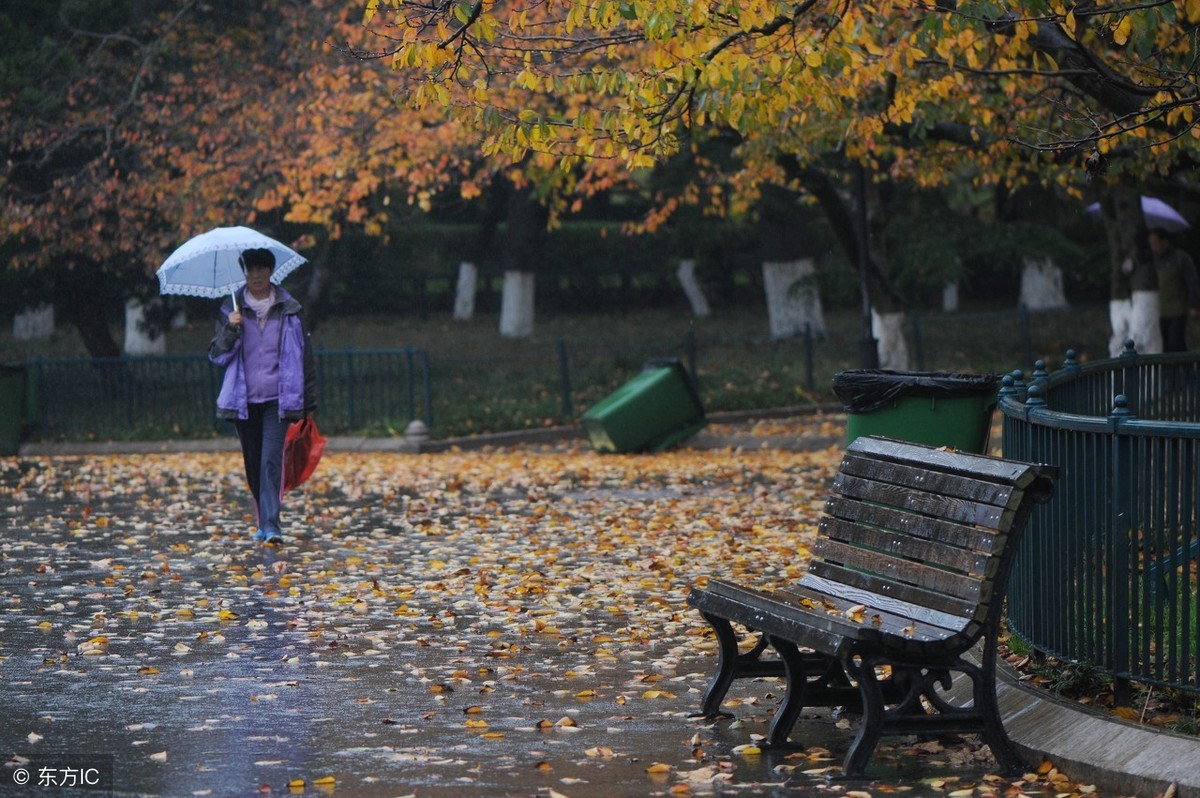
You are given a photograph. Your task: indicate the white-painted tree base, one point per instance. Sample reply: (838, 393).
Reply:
(686, 273)
(136, 341)
(1042, 285)
(464, 295)
(793, 301)
(516, 305)
(888, 329)
(34, 324)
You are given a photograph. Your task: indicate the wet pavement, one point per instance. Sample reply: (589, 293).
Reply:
(504, 623)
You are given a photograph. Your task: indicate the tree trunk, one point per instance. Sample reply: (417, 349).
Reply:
(686, 274)
(888, 329)
(464, 295)
(141, 338)
(89, 319)
(1042, 285)
(516, 305)
(34, 324)
(522, 260)
(316, 295)
(879, 294)
(793, 302)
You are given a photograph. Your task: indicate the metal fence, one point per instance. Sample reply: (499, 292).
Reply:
(506, 385)
(134, 398)
(1107, 573)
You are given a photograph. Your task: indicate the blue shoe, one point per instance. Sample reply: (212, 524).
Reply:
(268, 536)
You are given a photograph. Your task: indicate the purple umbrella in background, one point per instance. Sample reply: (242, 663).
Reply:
(1158, 214)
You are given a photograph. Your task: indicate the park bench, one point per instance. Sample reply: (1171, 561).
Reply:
(907, 576)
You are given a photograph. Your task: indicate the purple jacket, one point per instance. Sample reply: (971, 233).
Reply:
(297, 384)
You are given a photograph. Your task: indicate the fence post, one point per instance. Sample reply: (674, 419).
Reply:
(918, 341)
(428, 391)
(412, 396)
(1129, 381)
(1118, 543)
(564, 377)
(809, 367)
(689, 348)
(349, 389)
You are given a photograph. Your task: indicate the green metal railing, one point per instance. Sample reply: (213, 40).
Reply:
(133, 398)
(1107, 574)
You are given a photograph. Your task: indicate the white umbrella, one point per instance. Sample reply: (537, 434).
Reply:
(209, 265)
(1158, 214)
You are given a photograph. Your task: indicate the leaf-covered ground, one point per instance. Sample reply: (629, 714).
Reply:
(504, 622)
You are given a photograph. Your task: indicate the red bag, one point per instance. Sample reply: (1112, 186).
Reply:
(302, 451)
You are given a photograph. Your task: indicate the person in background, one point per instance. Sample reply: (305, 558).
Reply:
(269, 381)
(1134, 307)
(1178, 290)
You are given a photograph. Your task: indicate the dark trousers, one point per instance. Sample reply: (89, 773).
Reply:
(1174, 333)
(262, 436)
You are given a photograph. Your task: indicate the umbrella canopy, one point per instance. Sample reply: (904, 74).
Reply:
(208, 265)
(1158, 214)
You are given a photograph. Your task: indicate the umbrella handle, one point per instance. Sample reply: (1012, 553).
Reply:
(233, 296)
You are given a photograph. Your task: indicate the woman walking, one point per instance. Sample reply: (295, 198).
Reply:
(269, 381)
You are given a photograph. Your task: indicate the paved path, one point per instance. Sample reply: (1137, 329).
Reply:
(293, 720)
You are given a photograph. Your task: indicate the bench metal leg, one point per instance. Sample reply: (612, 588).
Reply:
(909, 702)
(984, 684)
(732, 665)
(793, 702)
(870, 729)
(813, 680)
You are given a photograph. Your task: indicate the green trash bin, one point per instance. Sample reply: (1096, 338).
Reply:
(934, 408)
(657, 409)
(12, 408)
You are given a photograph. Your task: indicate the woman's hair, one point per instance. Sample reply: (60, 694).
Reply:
(258, 257)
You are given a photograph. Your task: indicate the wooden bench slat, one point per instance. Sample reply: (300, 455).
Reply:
(972, 537)
(899, 544)
(920, 613)
(913, 594)
(870, 610)
(895, 569)
(1019, 475)
(930, 481)
(924, 503)
(773, 614)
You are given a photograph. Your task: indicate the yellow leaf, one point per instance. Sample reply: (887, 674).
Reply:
(324, 781)
(1124, 27)
(659, 767)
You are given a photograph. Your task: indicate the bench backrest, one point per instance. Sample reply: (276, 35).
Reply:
(933, 530)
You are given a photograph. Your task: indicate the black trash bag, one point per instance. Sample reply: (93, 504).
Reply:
(868, 390)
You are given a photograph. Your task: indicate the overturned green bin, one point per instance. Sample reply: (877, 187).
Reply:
(657, 409)
(934, 408)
